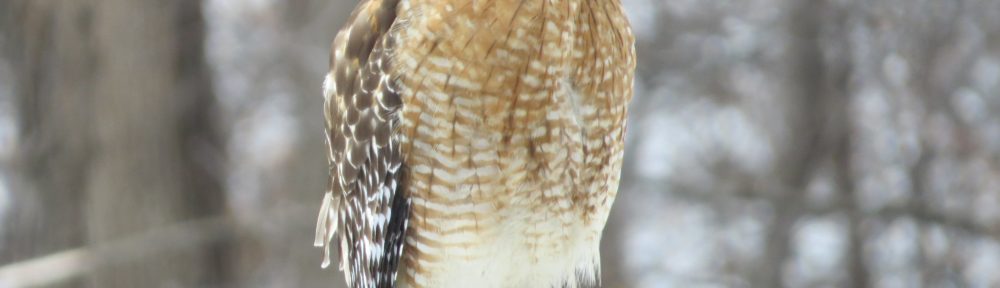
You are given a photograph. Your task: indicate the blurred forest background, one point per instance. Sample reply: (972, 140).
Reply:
(773, 143)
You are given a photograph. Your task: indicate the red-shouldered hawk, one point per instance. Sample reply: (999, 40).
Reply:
(475, 143)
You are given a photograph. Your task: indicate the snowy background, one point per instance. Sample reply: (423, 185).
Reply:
(772, 143)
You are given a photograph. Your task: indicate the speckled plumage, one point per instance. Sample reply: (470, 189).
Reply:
(475, 142)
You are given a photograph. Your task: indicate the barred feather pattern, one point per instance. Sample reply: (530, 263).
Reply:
(475, 143)
(365, 210)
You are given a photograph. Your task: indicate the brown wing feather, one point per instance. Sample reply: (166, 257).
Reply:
(365, 201)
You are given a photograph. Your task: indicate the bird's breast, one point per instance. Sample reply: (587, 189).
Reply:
(511, 131)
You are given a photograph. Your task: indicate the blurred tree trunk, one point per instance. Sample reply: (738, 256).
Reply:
(817, 134)
(118, 136)
(155, 140)
(48, 45)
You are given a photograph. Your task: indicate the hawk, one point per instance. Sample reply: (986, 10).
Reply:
(474, 143)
